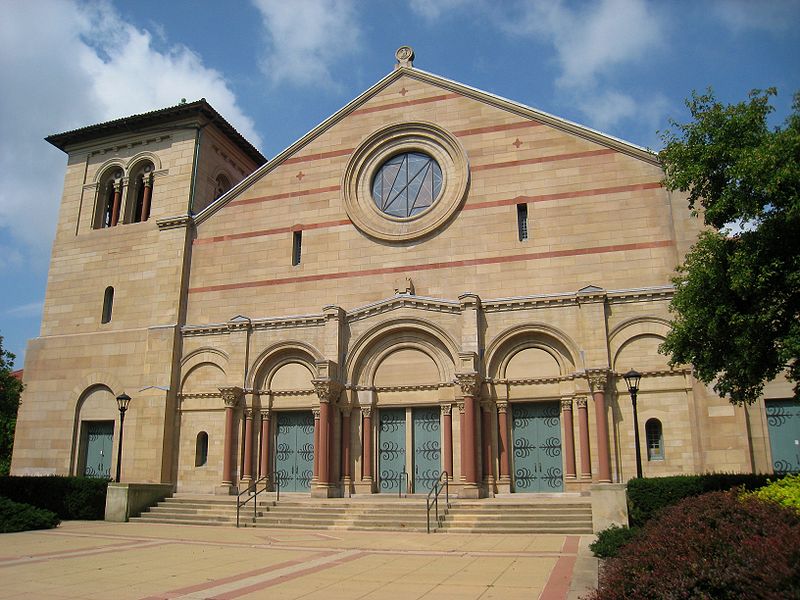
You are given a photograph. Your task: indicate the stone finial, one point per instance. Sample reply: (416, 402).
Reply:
(404, 56)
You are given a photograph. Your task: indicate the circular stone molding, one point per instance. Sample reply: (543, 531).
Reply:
(386, 143)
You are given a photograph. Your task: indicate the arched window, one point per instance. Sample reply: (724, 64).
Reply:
(108, 304)
(221, 185)
(201, 449)
(109, 199)
(140, 193)
(655, 439)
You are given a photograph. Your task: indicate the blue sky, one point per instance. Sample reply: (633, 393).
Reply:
(276, 68)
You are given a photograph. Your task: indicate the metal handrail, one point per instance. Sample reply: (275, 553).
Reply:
(436, 489)
(252, 492)
(400, 484)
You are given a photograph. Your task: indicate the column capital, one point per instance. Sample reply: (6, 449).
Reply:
(581, 401)
(502, 407)
(345, 409)
(487, 405)
(315, 412)
(447, 409)
(249, 413)
(598, 380)
(461, 407)
(265, 414)
(470, 383)
(366, 411)
(566, 404)
(231, 396)
(327, 389)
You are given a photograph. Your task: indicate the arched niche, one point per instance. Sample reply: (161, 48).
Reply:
(291, 376)
(532, 362)
(406, 366)
(641, 353)
(530, 351)
(205, 377)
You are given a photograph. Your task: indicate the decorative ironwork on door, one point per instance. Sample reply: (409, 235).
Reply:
(99, 441)
(783, 423)
(537, 447)
(427, 447)
(294, 450)
(391, 448)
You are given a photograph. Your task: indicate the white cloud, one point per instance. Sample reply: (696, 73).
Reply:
(65, 65)
(433, 9)
(32, 309)
(307, 38)
(773, 16)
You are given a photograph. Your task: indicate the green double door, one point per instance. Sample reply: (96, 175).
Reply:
(99, 442)
(783, 423)
(537, 447)
(426, 455)
(294, 450)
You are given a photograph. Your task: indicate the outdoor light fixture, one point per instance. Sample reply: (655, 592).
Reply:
(122, 403)
(632, 381)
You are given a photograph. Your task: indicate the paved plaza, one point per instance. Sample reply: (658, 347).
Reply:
(99, 560)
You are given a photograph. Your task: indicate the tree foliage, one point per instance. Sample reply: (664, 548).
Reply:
(736, 309)
(10, 390)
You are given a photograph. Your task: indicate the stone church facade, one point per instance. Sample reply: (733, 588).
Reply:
(435, 279)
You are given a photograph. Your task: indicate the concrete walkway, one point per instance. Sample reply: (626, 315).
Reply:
(99, 560)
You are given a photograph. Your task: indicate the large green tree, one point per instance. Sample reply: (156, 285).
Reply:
(736, 309)
(10, 389)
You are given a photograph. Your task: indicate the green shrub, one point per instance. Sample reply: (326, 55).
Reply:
(610, 540)
(15, 516)
(785, 491)
(71, 498)
(646, 497)
(719, 545)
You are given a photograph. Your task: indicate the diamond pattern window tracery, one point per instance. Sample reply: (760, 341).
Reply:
(407, 184)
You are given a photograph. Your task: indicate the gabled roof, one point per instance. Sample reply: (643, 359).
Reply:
(454, 86)
(154, 119)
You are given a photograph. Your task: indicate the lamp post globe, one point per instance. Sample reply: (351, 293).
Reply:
(632, 378)
(122, 403)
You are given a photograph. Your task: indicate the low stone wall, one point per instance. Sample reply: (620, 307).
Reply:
(609, 505)
(125, 500)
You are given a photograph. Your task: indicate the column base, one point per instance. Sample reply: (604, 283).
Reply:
(365, 486)
(325, 490)
(347, 487)
(225, 489)
(471, 491)
(504, 485)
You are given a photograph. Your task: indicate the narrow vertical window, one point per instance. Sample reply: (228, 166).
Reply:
(108, 303)
(522, 221)
(297, 247)
(201, 449)
(655, 439)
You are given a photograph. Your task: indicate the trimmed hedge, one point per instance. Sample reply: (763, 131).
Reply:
(610, 540)
(15, 516)
(784, 491)
(646, 497)
(721, 545)
(71, 498)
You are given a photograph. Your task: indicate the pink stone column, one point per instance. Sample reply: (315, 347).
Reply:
(470, 388)
(583, 432)
(598, 383)
(117, 203)
(462, 455)
(366, 443)
(263, 468)
(486, 443)
(569, 439)
(248, 445)
(346, 445)
(316, 443)
(447, 425)
(505, 464)
(324, 441)
(148, 193)
(231, 398)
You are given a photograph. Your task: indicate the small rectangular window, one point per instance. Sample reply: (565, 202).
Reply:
(297, 247)
(108, 305)
(522, 221)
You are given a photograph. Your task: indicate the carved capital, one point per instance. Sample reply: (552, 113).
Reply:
(345, 409)
(502, 407)
(366, 411)
(447, 409)
(566, 404)
(581, 401)
(487, 406)
(470, 384)
(249, 413)
(327, 389)
(315, 412)
(231, 396)
(598, 381)
(265, 414)
(461, 408)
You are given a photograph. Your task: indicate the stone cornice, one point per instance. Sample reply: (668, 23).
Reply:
(533, 380)
(174, 222)
(404, 301)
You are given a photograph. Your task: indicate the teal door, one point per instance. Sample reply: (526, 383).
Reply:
(294, 451)
(427, 448)
(783, 423)
(391, 448)
(99, 440)
(537, 447)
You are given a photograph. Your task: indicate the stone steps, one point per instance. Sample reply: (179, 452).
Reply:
(502, 516)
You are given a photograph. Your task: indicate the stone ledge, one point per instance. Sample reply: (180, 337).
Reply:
(125, 500)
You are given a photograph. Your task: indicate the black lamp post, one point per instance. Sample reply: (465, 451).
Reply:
(122, 402)
(632, 381)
